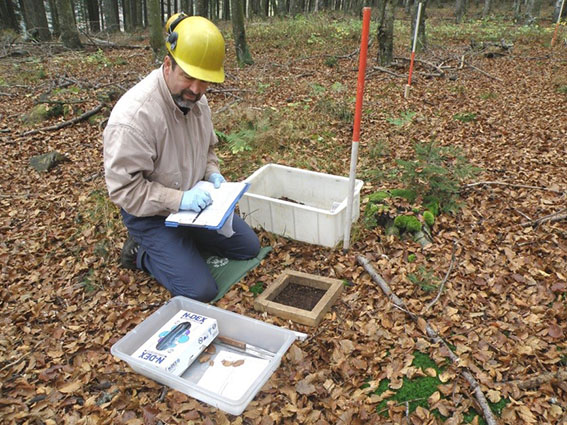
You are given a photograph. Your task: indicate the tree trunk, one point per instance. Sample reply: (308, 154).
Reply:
(242, 53)
(55, 30)
(487, 8)
(460, 10)
(38, 29)
(226, 10)
(8, 18)
(92, 15)
(186, 7)
(385, 32)
(111, 15)
(421, 34)
(202, 8)
(156, 30)
(533, 10)
(517, 11)
(69, 33)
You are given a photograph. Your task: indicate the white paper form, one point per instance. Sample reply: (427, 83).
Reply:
(232, 382)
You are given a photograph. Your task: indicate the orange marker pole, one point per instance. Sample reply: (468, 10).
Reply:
(357, 119)
(557, 24)
(414, 45)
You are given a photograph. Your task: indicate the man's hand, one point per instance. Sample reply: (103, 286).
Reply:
(195, 199)
(216, 179)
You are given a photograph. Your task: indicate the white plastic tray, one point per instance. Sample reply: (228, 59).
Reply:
(268, 337)
(304, 205)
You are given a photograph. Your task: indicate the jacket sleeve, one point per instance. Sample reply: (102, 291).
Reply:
(128, 164)
(212, 159)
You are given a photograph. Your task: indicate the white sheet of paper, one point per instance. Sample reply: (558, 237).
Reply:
(229, 381)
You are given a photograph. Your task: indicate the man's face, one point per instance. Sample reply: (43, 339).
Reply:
(184, 89)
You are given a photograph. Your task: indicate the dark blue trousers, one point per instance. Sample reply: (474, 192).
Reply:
(171, 254)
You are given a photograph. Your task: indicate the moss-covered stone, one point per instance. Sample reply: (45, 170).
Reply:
(409, 223)
(47, 161)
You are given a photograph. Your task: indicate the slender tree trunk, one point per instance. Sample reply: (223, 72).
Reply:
(517, 11)
(56, 31)
(92, 15)
(39, 28)
(186, 7)
(385, 32)
(69, 33)
(8, 18)
(226, 10)
(111, 16)
(533, 10)
(242, 53)
(487, 8)
(460, 10)
(202, 8)
(156, 30)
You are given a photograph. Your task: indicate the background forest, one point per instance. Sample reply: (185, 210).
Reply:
(463, 209)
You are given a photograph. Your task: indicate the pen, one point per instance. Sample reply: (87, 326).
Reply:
(199, 213)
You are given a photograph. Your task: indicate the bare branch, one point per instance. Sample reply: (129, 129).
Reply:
(442, 286)
(434, 336)
(66, 123)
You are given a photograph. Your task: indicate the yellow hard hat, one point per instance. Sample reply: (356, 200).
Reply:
(197, 46)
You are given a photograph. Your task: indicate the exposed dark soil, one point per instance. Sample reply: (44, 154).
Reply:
(299, 296)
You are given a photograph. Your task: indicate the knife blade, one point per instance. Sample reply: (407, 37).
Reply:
(244, 347)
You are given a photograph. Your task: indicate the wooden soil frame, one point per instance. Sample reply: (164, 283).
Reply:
(333, 288)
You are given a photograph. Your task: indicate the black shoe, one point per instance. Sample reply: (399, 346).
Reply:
(129, 254)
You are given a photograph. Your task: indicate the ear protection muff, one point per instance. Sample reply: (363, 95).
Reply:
(171, 34)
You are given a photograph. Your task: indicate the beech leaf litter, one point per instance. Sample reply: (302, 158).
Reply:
(65, 300)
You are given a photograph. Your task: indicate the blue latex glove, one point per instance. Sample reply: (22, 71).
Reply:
(195, 199)
(216, 179)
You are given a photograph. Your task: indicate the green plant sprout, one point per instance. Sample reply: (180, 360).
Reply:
(424, 278)
(405, 118)
(465, 117)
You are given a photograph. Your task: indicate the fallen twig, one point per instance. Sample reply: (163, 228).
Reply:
(536, 381)
(66, 123)
(387, 71)
(520, 186)
(442, 286)
(434, 336)
(556, 216)
(483, 72)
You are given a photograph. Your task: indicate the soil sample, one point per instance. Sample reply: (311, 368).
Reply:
(299, 296)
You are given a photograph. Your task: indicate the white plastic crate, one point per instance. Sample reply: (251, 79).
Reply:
(303, 205)
(268, 337)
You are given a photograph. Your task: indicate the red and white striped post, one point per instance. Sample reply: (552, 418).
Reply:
(357, 118)
(414, 44)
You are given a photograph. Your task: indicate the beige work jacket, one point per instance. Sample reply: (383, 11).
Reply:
(153, 152)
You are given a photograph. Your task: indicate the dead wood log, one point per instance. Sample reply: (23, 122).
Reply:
(438, 68)
(66, 123)
(536, 381)
(556, 216)
(433, 336)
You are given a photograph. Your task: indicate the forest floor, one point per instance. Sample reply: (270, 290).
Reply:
(64, 299)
